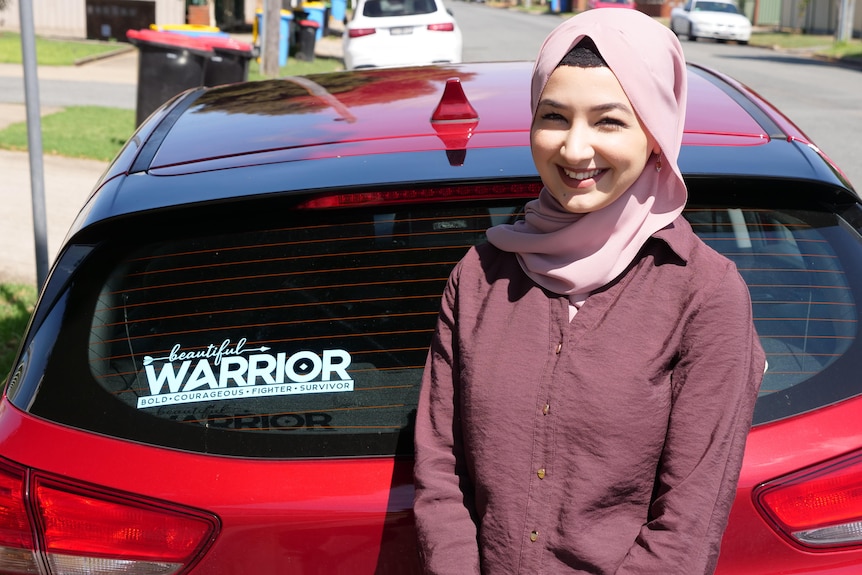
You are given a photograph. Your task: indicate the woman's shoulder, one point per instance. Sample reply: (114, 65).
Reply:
(703, 266)
(487, 256)
(485, 263)
(690, 247)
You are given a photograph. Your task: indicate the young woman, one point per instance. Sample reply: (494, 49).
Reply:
(591, 383)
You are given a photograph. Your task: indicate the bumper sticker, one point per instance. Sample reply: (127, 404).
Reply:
(233, 371)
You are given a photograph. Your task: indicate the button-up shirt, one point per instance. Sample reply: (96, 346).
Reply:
(610, 443)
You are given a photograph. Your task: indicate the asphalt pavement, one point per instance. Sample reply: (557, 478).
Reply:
(67, 181)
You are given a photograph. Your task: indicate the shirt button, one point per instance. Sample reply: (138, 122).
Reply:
(534, 535)
(541, 473)
(559, 348)
(546, 409)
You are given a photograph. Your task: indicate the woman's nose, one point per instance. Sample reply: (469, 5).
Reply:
(577, 144)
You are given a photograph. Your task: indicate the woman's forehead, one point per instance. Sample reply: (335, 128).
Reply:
(593, 85)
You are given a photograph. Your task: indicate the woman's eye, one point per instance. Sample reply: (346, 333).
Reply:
(553, 117)
(612, 123)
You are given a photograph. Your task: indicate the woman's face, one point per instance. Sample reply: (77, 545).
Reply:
(588, 145)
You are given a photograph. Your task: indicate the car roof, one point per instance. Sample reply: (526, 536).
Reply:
(390, 110)
(355, 122)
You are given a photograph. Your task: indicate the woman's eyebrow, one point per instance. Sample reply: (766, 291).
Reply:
(606, 107)
(611, 107)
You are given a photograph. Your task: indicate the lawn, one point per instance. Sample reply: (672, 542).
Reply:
(51, 52)
(90, 132)
(16, 305)
(820, 45)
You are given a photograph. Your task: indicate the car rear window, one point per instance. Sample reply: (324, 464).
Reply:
(307, 337)
(316, 330)
(800, 267)
(387, 8)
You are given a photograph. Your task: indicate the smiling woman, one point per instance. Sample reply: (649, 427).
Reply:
(554, 432)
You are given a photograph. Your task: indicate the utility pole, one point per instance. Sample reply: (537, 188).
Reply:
(270, 40)
(845, 20)
(34, 141)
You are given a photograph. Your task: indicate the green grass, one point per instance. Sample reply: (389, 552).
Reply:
(91, 132)
(50, 52)
(847, 51)
(824, 46)
(16, 305)
(788, 41)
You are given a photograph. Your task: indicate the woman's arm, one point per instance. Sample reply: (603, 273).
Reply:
(715, 385)
(443, 506)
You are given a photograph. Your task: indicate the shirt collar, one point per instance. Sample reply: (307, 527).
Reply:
(679, 237)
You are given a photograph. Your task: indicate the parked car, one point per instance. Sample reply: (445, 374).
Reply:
(386, 33)
(220, 376)
(716, 19)
(592, 4)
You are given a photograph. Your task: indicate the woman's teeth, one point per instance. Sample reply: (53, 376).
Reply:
(582, 175)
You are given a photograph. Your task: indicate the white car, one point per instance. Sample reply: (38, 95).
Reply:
(718, 19)
(387, 33)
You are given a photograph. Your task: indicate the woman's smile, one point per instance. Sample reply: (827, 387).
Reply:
(581, 178)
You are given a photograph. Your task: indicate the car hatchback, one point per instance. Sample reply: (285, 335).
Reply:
(221, 373)
(386, 33)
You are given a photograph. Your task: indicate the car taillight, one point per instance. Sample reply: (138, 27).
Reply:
(17, 551)
(82, 530)
(443, 27)
(416, 195)
(819, 507)
(358, 32)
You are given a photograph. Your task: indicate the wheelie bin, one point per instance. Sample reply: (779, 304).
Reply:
(306, 31)
(170, 63)
(167, 64)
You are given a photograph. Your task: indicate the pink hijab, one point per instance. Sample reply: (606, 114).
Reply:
(574, 254)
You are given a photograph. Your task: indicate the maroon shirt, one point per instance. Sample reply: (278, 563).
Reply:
(608, 444)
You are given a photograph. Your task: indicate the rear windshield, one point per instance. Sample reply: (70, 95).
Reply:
(308, 338)
(386, 8)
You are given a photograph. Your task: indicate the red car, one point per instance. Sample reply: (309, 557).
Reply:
(221, 373)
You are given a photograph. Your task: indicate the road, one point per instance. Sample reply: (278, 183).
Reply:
(821, 98)
(71, 87)
(497, 34)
